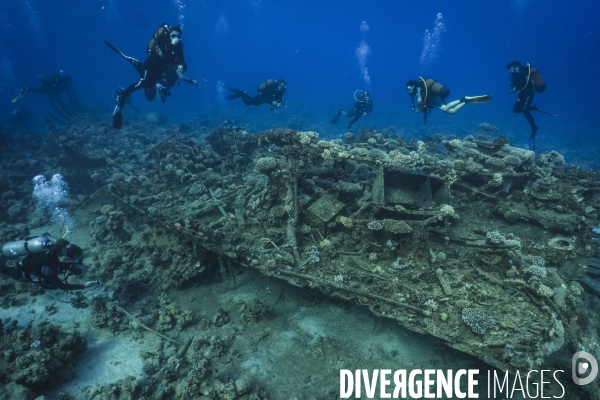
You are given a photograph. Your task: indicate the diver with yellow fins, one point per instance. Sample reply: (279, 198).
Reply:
(430, 94)
(270, 92)
(363, 105)
(163, 67)
(526, 80)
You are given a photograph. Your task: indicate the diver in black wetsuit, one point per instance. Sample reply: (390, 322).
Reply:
(52, 87)
(44, 262)
(526, 80)
(362, 106)
(165, 58)
(270, 92)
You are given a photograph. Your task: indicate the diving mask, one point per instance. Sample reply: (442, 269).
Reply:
(175, 37)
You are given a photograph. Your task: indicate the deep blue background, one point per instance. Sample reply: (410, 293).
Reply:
(311, 44)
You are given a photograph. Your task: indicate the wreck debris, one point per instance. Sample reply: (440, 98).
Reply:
(138, 323)
(312, 200)
(481, 245)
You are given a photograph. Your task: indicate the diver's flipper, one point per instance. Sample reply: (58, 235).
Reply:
(135, 62)
(22, 93)
(336, 117)
(477, 99)
(538, 108)
(236, 93)
(532, 138)
(532, 143)
(118, 116)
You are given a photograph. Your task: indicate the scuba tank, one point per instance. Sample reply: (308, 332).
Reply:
(36, 245)
(265, 84)
(538, 83)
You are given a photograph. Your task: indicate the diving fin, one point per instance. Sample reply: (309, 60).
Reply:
(532, 143)
(538, 108)
(236, 93)
(22, 93)
(477, 99)
(118, 116)
(139, 67)
(336, 117)
(532, 138)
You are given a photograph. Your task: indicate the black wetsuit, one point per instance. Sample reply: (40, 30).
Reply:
(521, 83)
(52, 86)
(43, 269)
(361, 107)
(161, 55)
(271, 95)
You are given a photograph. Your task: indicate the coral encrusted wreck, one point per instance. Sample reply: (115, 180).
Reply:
(478, 245)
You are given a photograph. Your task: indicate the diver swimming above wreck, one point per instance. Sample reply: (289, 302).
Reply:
(431, 94)
(162, 68)
(42, 262)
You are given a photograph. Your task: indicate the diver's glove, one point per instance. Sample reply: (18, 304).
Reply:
(94, 282)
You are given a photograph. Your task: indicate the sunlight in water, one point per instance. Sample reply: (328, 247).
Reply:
(431, 40)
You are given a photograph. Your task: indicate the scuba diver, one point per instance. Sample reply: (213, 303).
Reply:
(270, 92)
(52, 87)
(44, 262)
(165, 55)
(526, 80)
(363, 105)
(430, 94)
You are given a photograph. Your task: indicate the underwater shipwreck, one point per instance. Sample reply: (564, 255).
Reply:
(471, 240)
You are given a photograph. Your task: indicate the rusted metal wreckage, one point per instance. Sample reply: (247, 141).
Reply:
(480, 245)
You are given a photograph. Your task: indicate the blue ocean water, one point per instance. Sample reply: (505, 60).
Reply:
(325, 51)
